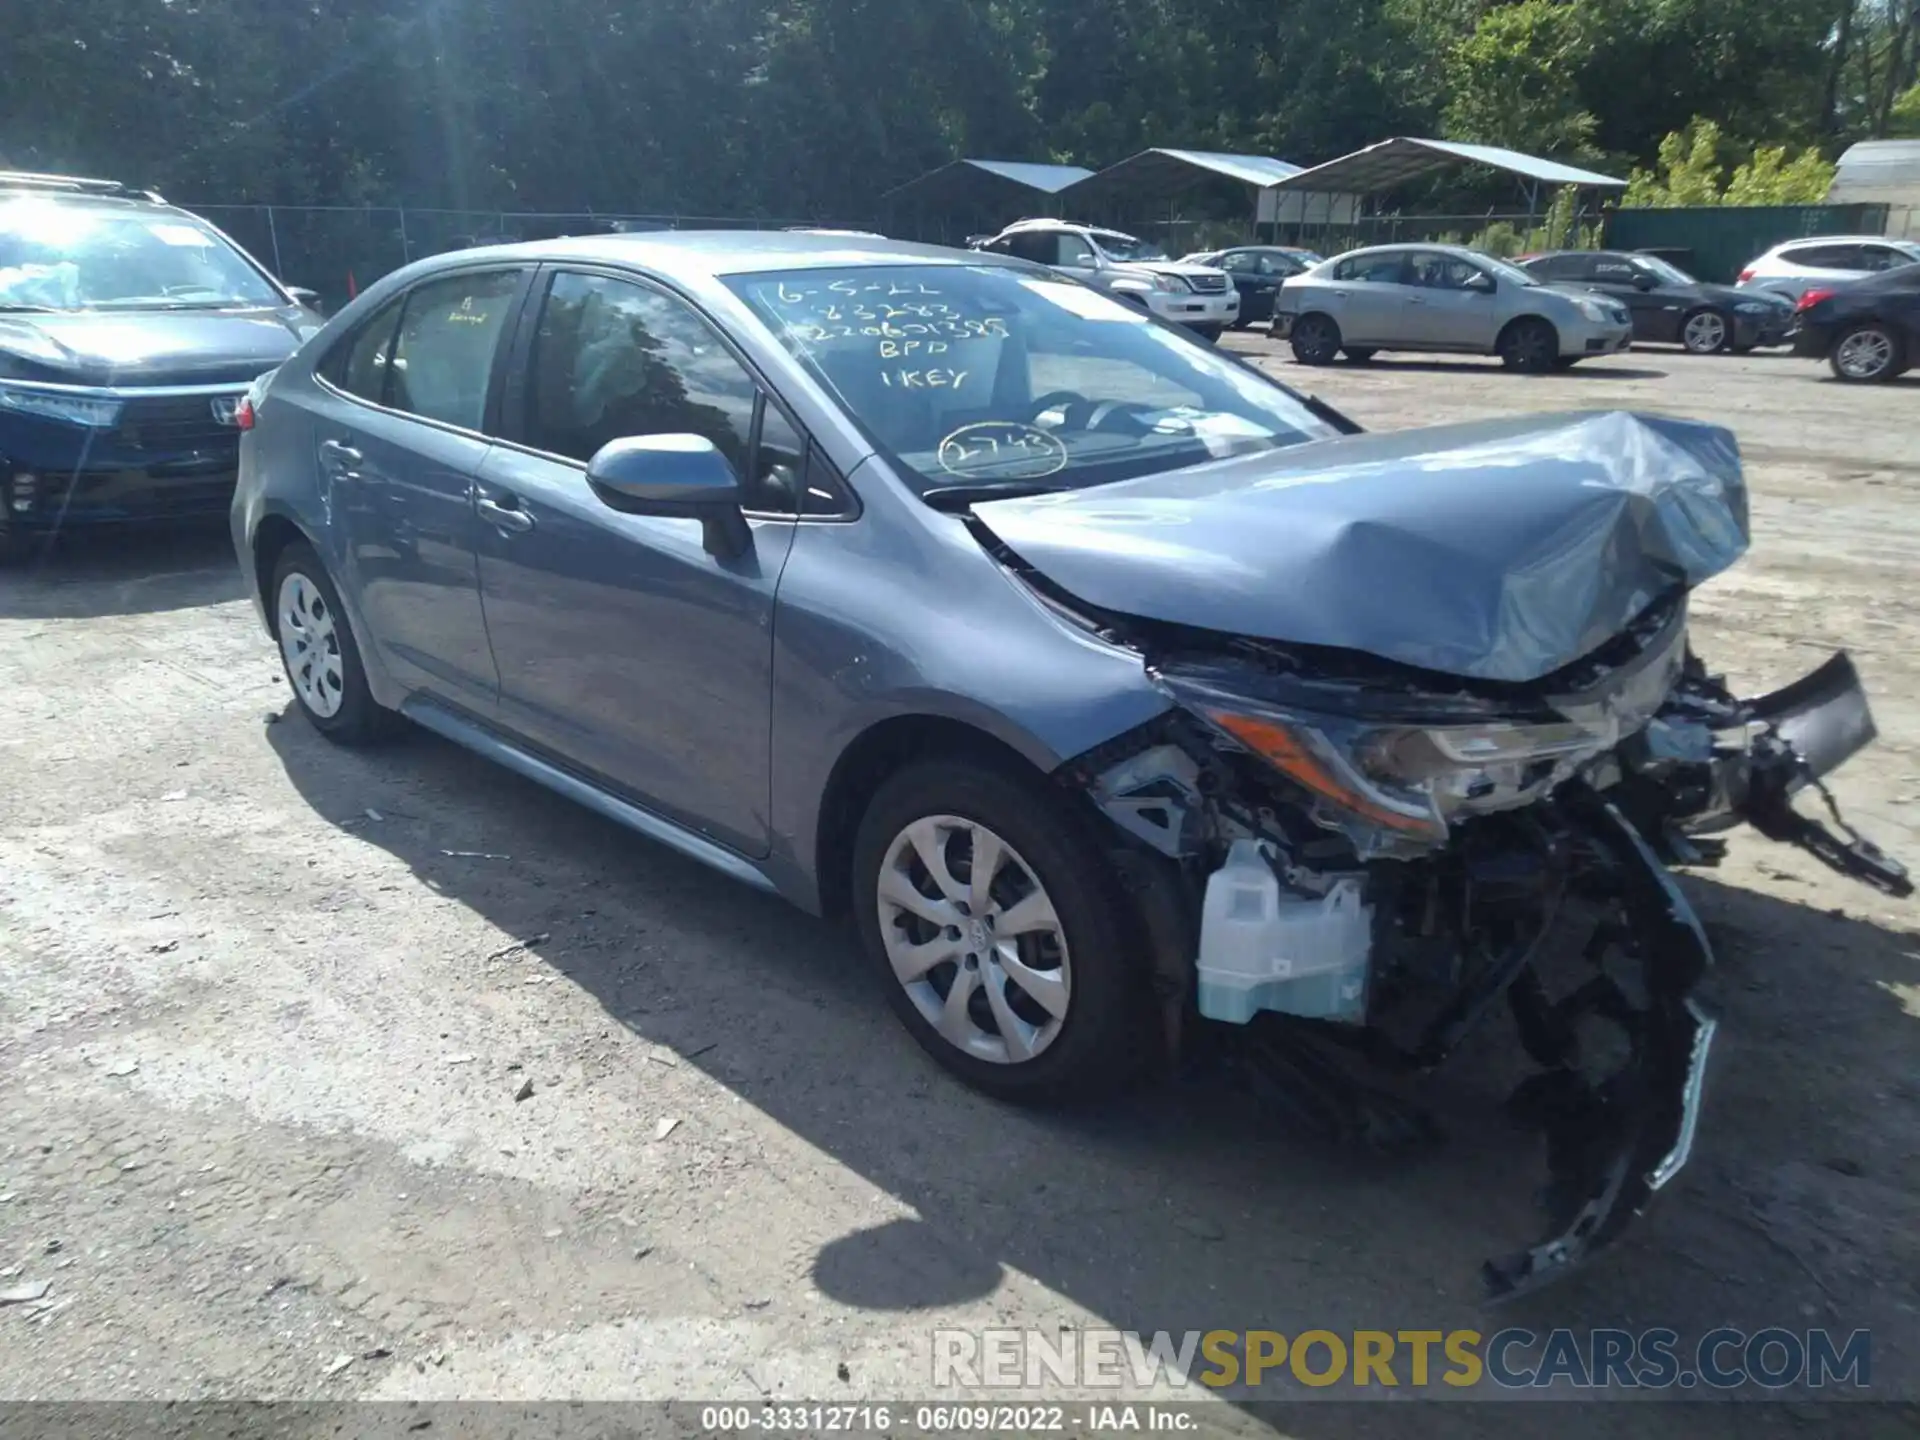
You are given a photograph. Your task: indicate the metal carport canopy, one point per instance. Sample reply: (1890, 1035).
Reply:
(1389, 163)
(985, 183)
(1162, 174)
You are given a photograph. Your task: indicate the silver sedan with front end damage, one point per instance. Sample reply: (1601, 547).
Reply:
(1137, 710)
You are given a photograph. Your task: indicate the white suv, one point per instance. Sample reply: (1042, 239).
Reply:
(1201, 297)
(1793, 268)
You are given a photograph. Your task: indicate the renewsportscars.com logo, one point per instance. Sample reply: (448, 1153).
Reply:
(1510, 1359)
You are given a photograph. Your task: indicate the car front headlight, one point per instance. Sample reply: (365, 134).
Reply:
(1596, 310)
(1410, 781)
(59, 402)
(1171, 283)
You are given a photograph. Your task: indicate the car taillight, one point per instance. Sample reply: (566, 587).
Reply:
(1745, 275)
(243, 413)
(1812, 298)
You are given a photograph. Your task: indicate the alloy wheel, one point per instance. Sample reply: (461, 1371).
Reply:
(310, 645)
(1704, 333)
(1864, 354)
(974, 939)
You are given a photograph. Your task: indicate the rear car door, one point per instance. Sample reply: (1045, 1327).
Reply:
(1366, 297)
(625, 650)
(1816, 264)
(400, 433)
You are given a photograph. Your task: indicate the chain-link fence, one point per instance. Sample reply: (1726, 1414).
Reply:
(339, 250)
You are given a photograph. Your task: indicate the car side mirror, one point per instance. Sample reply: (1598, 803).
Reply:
(1643, 281)
(309, 298)
(682, 476)
(1482, 284)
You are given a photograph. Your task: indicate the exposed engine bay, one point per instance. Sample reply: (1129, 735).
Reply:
(1371, 860)
(1435, 735)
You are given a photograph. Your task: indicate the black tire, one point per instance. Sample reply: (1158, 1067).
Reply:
(1362, 356)
(1530, 345)
(360, 720)
(1315, 339)
(1567, 362)
(1867, 354)
(1106, 1035)
(1704, 338)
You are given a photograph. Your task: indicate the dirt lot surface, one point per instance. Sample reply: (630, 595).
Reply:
(266, 1006)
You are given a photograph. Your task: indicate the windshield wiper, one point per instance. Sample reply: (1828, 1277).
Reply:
(7, 307)
(958, 497)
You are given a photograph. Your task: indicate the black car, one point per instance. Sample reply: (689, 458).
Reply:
(1668, 305)
(1865, 329)
(1257, 271)
(129, 333)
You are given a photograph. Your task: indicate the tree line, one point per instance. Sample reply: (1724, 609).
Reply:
(795, 108)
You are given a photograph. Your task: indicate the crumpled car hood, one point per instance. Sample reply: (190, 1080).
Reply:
(1501, 550)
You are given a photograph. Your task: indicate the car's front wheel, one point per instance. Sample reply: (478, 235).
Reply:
(1316, 340)
(1000, 932)
(1705, 332)
(1866, 353)
(317, 648)
(1531, 345)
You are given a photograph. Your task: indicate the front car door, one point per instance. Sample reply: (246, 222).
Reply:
(1650, 298)
(625, 650)
(400, 432)
(1445, 310)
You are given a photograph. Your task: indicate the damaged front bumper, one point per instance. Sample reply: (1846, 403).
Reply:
(1340, 911)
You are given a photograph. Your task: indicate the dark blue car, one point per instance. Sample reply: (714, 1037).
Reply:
(129, 329)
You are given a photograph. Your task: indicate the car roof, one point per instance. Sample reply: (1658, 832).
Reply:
(1409, 246)
(93, 203)
(729, 252)
(1836, 240)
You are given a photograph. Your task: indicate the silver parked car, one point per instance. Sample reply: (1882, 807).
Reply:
(1129, 704)
(1823, 261)
(1447, 298)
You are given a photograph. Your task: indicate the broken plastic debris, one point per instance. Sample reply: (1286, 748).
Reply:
(339, 1363)
(458, 1060)
(517, 946)
(665, 1128)
(474, 855)
(25, 1294)
(122, 1068)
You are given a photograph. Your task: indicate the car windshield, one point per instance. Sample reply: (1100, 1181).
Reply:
(988, 376)
(76, 257)
(1125, 248)
(1505, 271)
(1668, 274)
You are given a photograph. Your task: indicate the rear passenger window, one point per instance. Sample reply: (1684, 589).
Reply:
(443, 353)
(358, 365)
(1824, 257)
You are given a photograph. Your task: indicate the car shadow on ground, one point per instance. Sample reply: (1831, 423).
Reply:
(1186, 1206)
(120, 571)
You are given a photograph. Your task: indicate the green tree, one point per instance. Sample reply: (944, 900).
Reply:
(1515, 80)
(1692, 173)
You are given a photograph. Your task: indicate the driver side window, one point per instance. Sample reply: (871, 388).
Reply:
(1075, 253)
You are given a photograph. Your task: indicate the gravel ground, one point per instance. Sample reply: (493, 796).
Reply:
(267, 1007)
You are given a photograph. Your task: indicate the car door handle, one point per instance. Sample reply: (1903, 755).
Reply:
(342, 455)
(504, 517)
